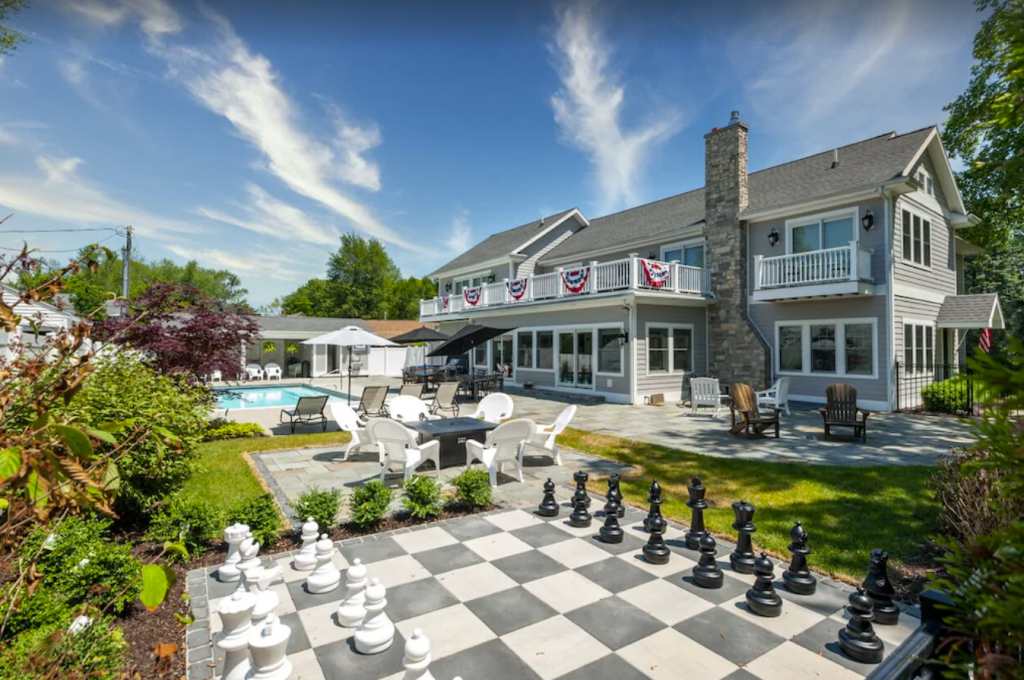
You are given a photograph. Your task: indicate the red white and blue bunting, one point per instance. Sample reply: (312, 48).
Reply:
(656, 272)
(575, 280)
(517, 288)
(444, 302)
(472, 295)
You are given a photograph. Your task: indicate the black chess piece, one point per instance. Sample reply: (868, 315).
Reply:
(609, 498)
(581, 478)
(580, 516)
(858, 640)
(611, 532)
(762, 598)
(798, 579)
(879, 588)
(707, 573)
(654, 498)
(742, 558)
(549, 506)
(697, 506)
(655, 551)
(613, 488)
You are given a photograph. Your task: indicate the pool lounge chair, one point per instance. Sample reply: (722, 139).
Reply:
(272, 370)
(411, 390)
(308, 410)
(371, 404)
(446, 399)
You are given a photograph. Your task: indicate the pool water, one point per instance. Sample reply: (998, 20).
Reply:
(283, 396)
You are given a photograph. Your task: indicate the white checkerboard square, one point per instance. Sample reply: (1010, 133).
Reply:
(555, 646)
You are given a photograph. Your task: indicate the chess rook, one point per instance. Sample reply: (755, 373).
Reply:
(305, 559)
(697, 506)
(654, 498)
(858, 640)
(548, 506)
(268, 645)
(377, 633)
(611, 532)
(797, 578)
(580, 516)
(326, 576)
(233, 536)
(762, 598)
(352, 609)
(417, 657)
(707, 573)
(581, 478)
(655, 551)
(236, 618)
(879, 588)
(742, 558)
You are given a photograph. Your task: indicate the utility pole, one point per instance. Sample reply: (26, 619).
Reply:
(126, 267)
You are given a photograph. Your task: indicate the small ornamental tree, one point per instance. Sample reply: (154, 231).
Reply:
(183, 331)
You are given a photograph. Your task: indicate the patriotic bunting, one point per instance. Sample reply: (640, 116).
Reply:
(472, 295)
(444, 302)
(575, 280)
(517, 288)
(656, 272)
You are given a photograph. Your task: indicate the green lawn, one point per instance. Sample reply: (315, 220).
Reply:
(224, 476)
(847, 511)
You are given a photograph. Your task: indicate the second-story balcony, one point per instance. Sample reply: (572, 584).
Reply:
(596, 278)
(833, 271)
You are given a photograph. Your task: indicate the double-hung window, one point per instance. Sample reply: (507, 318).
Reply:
(917, 239)
(834, 348)
(927, 182)
(524, 349)
(546, 350)
(689, 254)
(918, 348)
(609, 351)
(669, 349)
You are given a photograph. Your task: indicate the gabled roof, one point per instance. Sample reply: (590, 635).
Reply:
(389, 328)
(981, 310)
(307, 324)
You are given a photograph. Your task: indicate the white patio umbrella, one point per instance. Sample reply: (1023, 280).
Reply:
(350, 336)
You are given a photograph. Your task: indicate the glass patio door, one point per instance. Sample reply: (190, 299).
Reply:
(567, 358)
(585, 358)
(501, 354)
(576, 358)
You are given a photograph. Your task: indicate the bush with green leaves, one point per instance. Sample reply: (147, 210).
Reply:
(423, 497)
(233, 430)
(194, 522)
(320, 504)
(97, 651)
(370, 503)
(125, 388)
(261, 515)
(949, 396)
(473, 488)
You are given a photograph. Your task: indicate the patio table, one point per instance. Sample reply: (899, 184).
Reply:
(453, 433)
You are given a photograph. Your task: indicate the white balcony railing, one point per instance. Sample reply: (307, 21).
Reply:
(631, 273)
(832, 265)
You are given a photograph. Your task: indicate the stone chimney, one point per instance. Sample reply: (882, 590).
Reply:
(736, 351)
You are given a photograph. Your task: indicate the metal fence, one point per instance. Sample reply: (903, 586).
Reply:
(954, 395)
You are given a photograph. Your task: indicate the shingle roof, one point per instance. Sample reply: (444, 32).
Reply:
(502, 243)
(389, 328)
(980, 310)
(307, 324)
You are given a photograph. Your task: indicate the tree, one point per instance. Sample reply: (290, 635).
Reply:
(405, 300)
(183, 331)
(10, 38)
(363, 276)
(316, 297)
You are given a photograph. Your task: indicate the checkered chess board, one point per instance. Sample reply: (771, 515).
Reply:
(512, 595)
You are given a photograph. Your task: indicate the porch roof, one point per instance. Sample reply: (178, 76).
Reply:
(302, 327)
(981, 310)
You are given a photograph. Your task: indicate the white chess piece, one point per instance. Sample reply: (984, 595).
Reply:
(259, 580)
(233, 536)
(417, 657)
(249, 551)
(268, 645)
(377, 632)
(305, 559)
(236, 616)
(352, 609)
(326, 576)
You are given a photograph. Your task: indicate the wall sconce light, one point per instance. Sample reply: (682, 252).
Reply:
(490, 279)
(652, 256)
(623, 338)
(868, 220)
(448, 287)
(773, 237)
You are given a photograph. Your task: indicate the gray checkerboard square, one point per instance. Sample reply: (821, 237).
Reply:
(373, 551)
(614, 622)
(540, 535)
(492, 659)
(529, 566)
(729, 636)
(823, 639)
(608, 668)
(510, 610)
(448, 558)
(474, 527)
(629, 543)
(416, 598)
(731, 588)
(304, 599)
(340, 660)
(615, 575)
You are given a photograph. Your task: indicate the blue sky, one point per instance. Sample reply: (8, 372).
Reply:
(249, 135)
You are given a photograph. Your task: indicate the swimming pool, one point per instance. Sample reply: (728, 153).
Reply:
(264, 396)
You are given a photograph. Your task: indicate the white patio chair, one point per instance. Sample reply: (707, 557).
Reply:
(544, 438)
(349, 421)
(397, 444)
(216, 376)
(272, 370)
(776, 396)
(408, 409)
(505, 443)
(494, 408)
(705, 392)
(254, 372)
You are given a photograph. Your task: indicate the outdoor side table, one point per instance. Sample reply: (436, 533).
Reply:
(453, 433)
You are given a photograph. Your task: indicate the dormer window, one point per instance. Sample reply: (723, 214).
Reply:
(927, 182)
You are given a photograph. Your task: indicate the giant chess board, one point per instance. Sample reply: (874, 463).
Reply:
(512, 595)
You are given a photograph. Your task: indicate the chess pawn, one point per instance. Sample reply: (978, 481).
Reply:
(611, 532)
(707, 573)
(326, 576)
(655, 551)
(417, 657)
(762, 598)
(249, 551)
(797, 578)
(697, 506)
(548, 506)
(259, 580)
(305, 559)
(377, 632)
(581, 478)
(268, 645)
(858, 640)
(580, 516)
(616, 493)
(236, 617)
(654, 498)
(742, 558)
(233, 536)
(879, 588)
(352, 609)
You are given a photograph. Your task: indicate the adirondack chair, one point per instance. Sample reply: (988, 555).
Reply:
(841, 410)
(746, 415)
(705, 392)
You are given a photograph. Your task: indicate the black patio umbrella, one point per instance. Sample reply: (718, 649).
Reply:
(466, 338)
(421, 334)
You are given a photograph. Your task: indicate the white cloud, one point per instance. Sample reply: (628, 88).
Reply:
(267, 215)
(155, 17)
(589, 109)
(261, 264)
(461, 233)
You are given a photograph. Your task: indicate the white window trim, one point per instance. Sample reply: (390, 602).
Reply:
(621, 373)
(818, 218)
(928, 324)
(910, 208)
(533, 349)
(683, 245)
(671, 346)
(536, 350)
(574, 328)
(805, 347)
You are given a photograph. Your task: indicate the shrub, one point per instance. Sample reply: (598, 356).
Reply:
(473, 488)
(194, 522)
(261, 515)
(972, 504)
(948, 396)
(370, 502)
(233, 430)
(321, 505)
(423, 497)
(97, 651)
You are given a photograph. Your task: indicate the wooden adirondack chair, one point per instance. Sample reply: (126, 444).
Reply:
(744, 405)
(841, 410)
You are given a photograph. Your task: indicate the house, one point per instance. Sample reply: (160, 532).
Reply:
(38, 320)
(844, 266)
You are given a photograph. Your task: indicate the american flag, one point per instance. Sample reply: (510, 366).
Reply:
(985, 341)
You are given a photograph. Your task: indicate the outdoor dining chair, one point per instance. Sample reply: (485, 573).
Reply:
(705, 392)
(504, 444)
(494, 408)
(407, 409)
(272, 370)
(371, 404)
(446, 399)
(777, 396)
(544, 438)
(348, 421)
(397, 444)
(307, 410)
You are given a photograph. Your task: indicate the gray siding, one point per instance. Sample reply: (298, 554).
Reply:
(542, 246)
(909, 308)
(941, 277)
(669, 384)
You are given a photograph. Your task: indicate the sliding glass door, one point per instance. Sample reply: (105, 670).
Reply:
(576, 358)
(566, 358)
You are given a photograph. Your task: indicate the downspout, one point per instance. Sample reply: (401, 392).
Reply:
(890, 305)
(632, 351)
